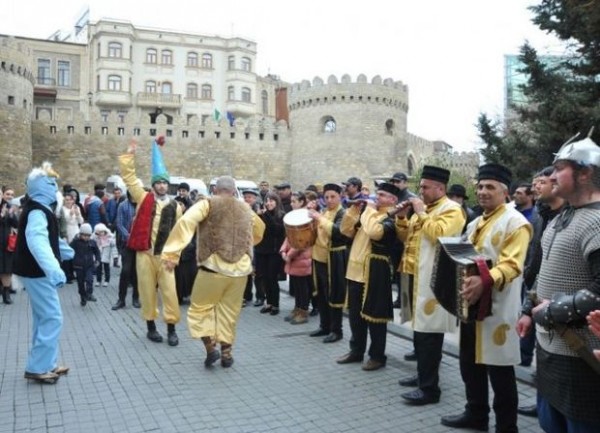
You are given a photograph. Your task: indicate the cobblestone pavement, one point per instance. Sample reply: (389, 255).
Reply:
(282, 380)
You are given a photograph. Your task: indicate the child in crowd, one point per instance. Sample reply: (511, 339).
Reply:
(108, 249)
(87, 257)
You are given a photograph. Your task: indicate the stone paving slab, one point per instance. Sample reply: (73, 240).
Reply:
(281, 381)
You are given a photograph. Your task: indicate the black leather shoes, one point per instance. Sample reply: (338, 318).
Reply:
(319, 333)
(211, 358)
(154, 336)
(118, 305)
(409, 381)
(332, 338)
(172, 338)
(48, 377)
(349, 358)
(136, 303)
(410, 356)
(528, 410)
(266, 309)
(259, 303)
(418, 398)
(464, 421)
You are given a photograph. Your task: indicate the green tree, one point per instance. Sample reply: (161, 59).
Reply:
(563, 98)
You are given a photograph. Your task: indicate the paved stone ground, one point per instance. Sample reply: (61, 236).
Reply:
(282, 380)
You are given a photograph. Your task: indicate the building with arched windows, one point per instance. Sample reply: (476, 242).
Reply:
(85, 100)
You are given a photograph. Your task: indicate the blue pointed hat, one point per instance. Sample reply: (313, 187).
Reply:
(159, 170)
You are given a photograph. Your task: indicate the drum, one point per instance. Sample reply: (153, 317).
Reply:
(300, 229)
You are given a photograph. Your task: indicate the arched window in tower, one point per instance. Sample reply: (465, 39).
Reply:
(246, 94)
(115, 49)
(231, 93)
(329, 125)
(389, 127)
(114, 83)
(411, 166)
(246, 64)
(264, 96)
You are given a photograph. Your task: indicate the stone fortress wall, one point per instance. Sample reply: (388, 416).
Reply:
(16, 104)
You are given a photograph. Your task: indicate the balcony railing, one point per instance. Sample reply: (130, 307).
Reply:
(46, 81)
(150, 99)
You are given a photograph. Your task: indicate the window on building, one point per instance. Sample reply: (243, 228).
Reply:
(151, 55)
(207, 61)
(264, 96)
(121, 116)
(166, 88)
(44, 76)
(206, 91)
(246, 64)
(231, 93)
(115, 49)
(192, 59)
(231, 63)
(11, 100)
(150, 86)
(246, 94)
(104, 115)
(191, 91)
(166, 57)
(64, 73)
(114, 83)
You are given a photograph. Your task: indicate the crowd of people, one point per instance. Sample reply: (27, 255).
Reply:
(535, 297)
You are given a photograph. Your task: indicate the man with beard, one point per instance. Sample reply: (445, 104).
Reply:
(568, 289)
(156, 214)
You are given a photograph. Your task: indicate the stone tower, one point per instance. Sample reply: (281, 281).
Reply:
(16, 104)
(343, 129)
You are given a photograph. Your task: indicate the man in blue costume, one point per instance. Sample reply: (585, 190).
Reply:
(39, 252)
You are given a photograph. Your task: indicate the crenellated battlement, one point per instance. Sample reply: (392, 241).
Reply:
(385, 92)
(16, 58)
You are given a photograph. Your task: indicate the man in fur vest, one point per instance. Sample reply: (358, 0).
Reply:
(226, 230)
(156, 214)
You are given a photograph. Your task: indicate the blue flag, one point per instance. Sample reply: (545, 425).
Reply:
(230, 118)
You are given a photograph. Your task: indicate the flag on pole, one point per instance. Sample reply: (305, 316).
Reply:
(230, 118)
(217, 115)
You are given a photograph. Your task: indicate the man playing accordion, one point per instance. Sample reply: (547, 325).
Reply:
(490, 347)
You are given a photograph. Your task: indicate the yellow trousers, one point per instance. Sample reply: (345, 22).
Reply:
(150, 274)
(216, 303)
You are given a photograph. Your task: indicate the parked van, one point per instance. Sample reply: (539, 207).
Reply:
(195, 184)
(240, 185)
(113, 181)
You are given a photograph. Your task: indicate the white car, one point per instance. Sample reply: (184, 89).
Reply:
(240, 185)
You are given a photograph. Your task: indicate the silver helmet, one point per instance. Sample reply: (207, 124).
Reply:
(583, 152)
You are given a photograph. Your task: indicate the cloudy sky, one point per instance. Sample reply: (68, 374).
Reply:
(449, 53)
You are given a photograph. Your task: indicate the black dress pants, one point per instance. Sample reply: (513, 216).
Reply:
(428, 348)
(330, 318)
(475, 377)
(128, 274)
(360, 327)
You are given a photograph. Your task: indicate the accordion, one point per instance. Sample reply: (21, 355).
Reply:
(456, 259)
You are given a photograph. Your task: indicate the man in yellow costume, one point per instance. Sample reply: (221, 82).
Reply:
(434, 216)
(226, 230)
(156, 214)
(490, 347)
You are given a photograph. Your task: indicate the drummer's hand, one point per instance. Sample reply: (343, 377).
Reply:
(417, 205)
(314, 214)
(472, 288)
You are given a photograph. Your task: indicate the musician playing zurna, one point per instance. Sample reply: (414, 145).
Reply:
(491, 347)
(330, 258)
(568, 287)
(369, 275)
(434, 215)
